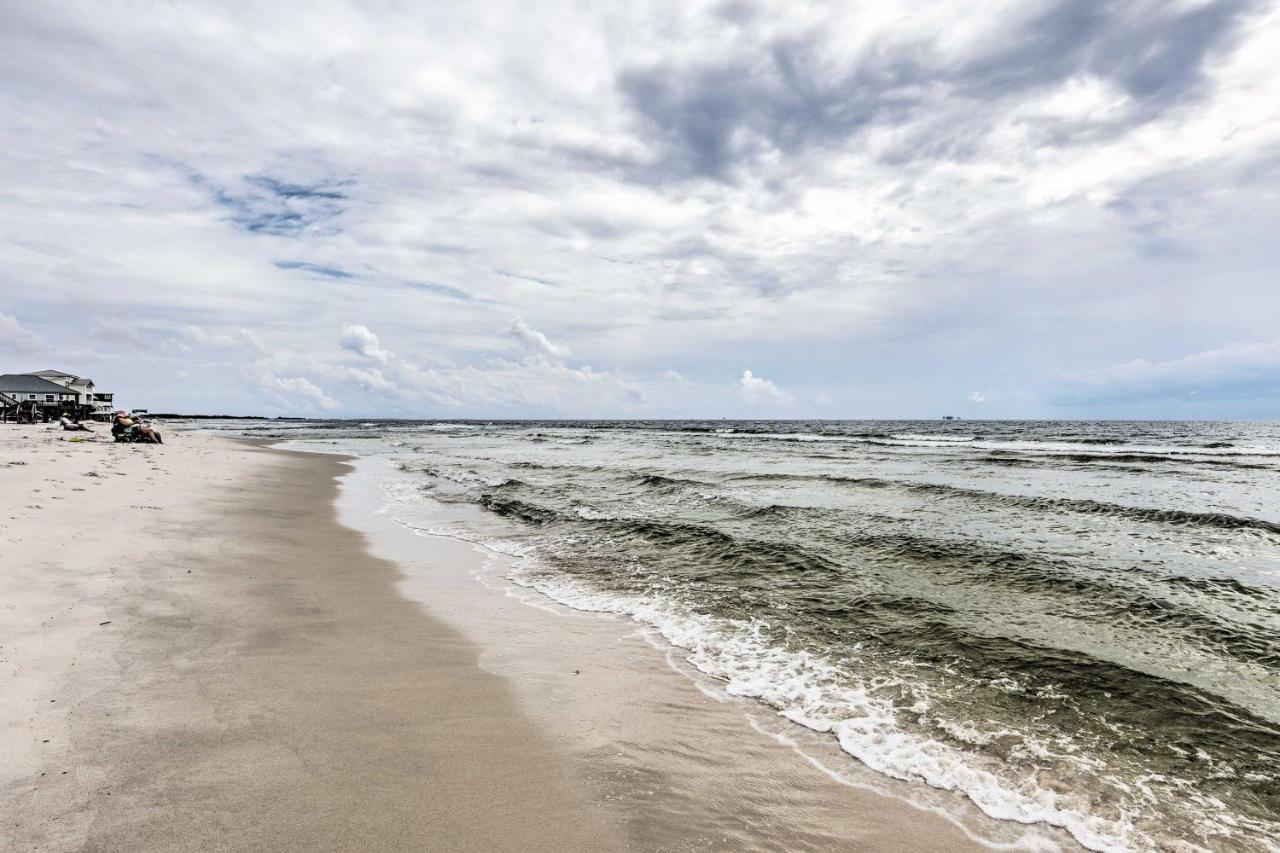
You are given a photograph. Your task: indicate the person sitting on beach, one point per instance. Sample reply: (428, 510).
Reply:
(69, 425)
(138, 431)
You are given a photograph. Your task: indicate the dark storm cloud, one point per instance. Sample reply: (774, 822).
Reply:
(1155, 52)
(708, 119)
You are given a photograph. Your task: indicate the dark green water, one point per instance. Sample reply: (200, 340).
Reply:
(1069, 623)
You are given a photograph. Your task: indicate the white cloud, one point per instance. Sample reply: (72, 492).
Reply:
(117, 334)
(979, 396)
(756, 389)
(934, 186)
(536, 343)
(200, 336)
(361, 341)
(1243, 370)
(253, 341)
(372, 379)
(408, 386)
(296, 388)
(15, 338)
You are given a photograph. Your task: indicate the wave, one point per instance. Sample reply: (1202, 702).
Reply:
(815, 691)
(529, 513)
(1125, 458)
(724, 557)
(959, 443)
(663, 482)
(1171, 452)
(1150, 515)
(1065, 668)
(1169, 516)
(941, 439)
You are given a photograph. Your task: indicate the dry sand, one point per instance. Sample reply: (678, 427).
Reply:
(195, 656)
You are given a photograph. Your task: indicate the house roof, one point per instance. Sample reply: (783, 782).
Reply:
(27, 383)
(64, 378)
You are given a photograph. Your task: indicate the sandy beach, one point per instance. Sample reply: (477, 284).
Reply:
(196, 654)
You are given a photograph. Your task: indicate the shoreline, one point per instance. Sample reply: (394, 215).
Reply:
(255, 655)
(725, 770)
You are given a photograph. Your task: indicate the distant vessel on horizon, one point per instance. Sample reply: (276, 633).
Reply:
(950, 418)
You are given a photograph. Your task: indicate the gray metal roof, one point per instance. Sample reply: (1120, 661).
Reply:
(25, 383)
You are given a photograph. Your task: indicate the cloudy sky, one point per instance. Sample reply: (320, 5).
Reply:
(743, 209)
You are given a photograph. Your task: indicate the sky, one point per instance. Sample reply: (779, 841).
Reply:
(1048, 209)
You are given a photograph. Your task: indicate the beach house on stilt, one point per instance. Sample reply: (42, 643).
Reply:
(90, 401)
(35, 397)
(46, 394)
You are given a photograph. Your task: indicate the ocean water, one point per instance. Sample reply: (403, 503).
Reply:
(1075, 624)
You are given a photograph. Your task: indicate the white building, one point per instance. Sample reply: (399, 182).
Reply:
(35, 392)
(86, 395)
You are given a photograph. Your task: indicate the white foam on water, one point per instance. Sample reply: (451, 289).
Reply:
(1121, 449)
(1031, 840)
(803, 688)
(786, 436)
(815, 693)
(439, 427)
(970, 442)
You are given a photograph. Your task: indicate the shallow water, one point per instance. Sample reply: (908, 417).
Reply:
(1069, 623)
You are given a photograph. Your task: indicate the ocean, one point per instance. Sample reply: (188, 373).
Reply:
(1068, 623)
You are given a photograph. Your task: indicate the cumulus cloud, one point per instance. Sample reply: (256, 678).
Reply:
(535, 343)
(297, 389)
(15, 338)
(979, 396)
(372, 379)
(1236, 371)
(360, 340)
(255, 343)
(394, 384)
(198, 335)
(757, 389)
